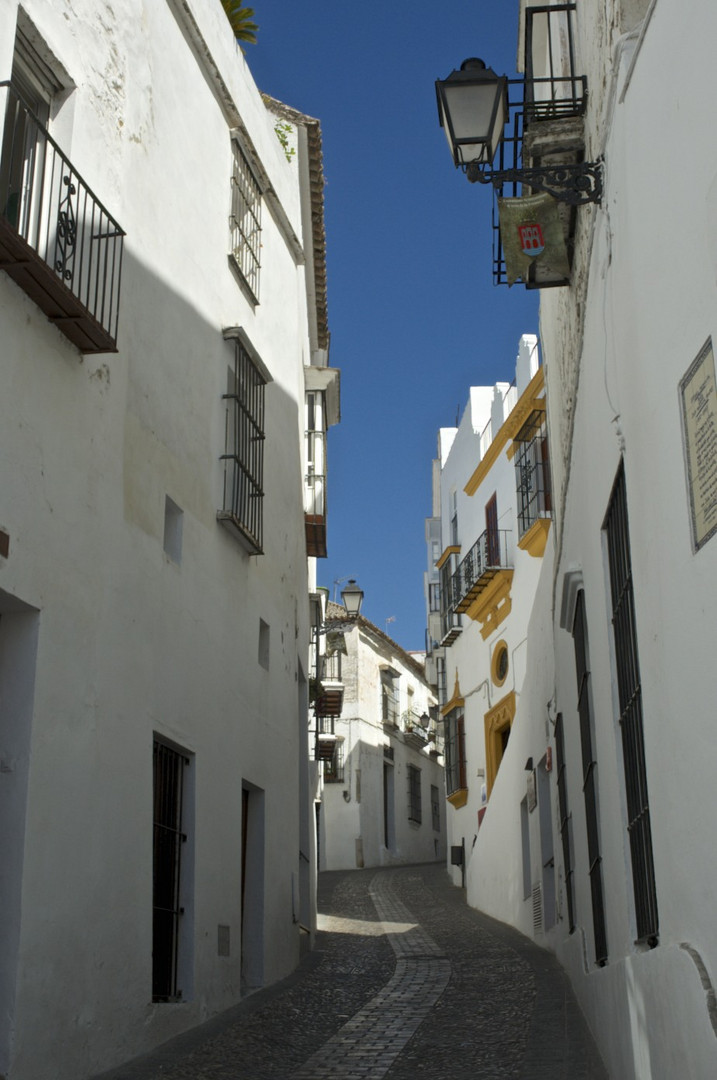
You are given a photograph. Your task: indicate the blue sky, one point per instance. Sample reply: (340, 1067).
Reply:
(414, 316)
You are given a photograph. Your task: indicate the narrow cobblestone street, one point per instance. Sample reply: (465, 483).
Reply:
(405, 980)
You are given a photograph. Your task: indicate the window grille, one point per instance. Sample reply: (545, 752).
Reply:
(631, 722)
(532, 472)
(441, 680)
(450, 619)
(455, 751)
(245, 222)
(334, 769)
(564, 820)
(243, 455)
(169, 768)
(414, 794)
(589, 778)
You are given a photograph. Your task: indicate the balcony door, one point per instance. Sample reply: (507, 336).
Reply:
(27, 111)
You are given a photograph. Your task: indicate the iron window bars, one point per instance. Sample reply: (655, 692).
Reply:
(169, 766)
(627, 665)
(46, 205)
(589, 779)
(243, 457)
(334, 768)
(455, 751)
(414, 795)
(565, 821)
(532, 472)
(245, 222)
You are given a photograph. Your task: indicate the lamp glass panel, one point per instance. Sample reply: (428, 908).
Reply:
(473, 119)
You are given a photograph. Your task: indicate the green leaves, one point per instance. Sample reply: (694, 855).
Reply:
(241, 21)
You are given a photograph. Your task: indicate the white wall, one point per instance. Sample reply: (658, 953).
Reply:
(353, 810)
(647, 310)
(130, 642)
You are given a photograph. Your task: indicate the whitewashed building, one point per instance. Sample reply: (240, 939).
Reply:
(164, 399)
(608, 837)
(381, 800)
(487, 538)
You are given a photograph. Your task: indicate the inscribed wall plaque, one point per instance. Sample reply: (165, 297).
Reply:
(698, 392)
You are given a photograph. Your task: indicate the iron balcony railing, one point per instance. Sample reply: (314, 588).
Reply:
(46, 206)
(488, 555)
(331, 667)
(551, 89)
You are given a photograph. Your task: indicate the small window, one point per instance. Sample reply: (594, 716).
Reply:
(245, 224)
(414, 794)
(455, 746)
(389, 697)
(243, 457)
(500, 663)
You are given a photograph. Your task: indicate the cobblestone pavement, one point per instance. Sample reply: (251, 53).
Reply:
(405, 981)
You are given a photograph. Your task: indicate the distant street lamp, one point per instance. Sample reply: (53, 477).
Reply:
(352, 597)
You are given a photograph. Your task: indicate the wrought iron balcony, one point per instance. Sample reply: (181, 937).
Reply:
(450, 625)
(543, 148)
(326, 739)
(330, 695)
(57, 241)
(485, 559)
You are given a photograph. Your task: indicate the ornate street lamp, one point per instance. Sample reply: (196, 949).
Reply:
(352, 597)
(473, 109)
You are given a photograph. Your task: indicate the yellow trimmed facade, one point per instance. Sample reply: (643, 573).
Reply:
(536, 538)
(528, 403)
(459, 797)
(498, 722)
(493, 604)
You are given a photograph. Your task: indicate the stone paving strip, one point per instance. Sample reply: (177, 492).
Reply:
(366, 1047)
(384, 998)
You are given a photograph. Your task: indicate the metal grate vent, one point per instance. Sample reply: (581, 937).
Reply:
(537, 909)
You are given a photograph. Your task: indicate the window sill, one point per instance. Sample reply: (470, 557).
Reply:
(458, 798)
(233, 526)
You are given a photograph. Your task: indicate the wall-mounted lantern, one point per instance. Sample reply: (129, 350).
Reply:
(352, 597)
(474, 108)
(525, 138)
